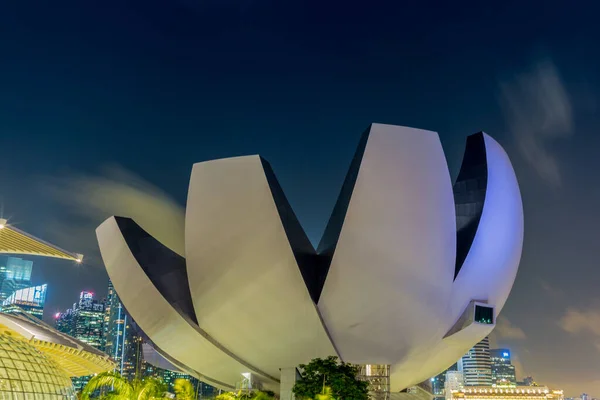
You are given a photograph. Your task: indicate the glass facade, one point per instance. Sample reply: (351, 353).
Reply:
(503, 372)
(123, 343)
(88, 320)
(476, 365)
(85, 322)
(15, 274)
(438, 383)
(27, 374)
(30, 300)
(378, 376)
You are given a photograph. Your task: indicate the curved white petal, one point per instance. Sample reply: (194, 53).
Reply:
(491, 265)
(384, 300)
(244, 278)
(166, 326)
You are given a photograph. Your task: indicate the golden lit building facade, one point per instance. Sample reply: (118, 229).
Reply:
(37, 362)
(505, 393)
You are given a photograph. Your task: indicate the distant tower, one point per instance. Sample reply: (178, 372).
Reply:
(64, 322)
(89, 320)
(438, 382)
(453, 381)
(123, 343)
(503, 372)
(476, 365)
(85, 322)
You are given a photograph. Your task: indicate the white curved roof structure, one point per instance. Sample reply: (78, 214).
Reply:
(15, 241)
(411, 271)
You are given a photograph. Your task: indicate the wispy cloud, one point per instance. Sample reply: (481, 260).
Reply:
(581, 321)
(538, 111)
(507, 330)
(551, 290)
(90, 199)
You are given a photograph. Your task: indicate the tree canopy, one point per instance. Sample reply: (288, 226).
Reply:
(331, 378)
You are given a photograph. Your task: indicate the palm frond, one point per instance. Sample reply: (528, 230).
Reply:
(184, 390)
(112, 382)
(149, 389)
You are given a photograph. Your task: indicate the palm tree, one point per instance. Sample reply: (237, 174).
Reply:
(184, 390)
(112, 386)
(326, 394)
(226, 396)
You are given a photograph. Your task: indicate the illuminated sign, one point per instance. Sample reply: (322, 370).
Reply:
(505, 354)
(86, 295)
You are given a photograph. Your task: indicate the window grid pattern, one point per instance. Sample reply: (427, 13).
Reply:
(26, 374)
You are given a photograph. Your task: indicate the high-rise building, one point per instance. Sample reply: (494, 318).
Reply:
(438, 382)
(64, 322)
(30, 300)
(454, 381)
(15, 274)
(476, 365)
(88, 320)
(123, 343)
(85, 322)
(503, 372)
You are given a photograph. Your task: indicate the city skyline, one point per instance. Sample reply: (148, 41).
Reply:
(142, 91)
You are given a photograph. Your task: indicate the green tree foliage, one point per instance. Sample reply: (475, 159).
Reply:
(329, 379)
(184, 390)
(112, 386)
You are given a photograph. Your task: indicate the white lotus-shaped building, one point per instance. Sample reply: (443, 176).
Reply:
(411, 271)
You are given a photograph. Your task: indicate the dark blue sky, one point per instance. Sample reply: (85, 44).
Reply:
(156, 86)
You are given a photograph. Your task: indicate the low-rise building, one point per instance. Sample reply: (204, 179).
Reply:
(505, 393)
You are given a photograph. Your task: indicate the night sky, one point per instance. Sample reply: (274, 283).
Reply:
(104, 103)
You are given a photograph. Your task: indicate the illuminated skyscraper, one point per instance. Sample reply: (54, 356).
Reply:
(476, 365)
(88, 320)
(30, 300)
(503, 372)
(64, 322)
(123, 343)
(15, 274)
(438, 382)
(85, 322)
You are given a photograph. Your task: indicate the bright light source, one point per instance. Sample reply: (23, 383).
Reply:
(1, 226)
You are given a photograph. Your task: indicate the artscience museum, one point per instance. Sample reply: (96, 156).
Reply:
(412, 270)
